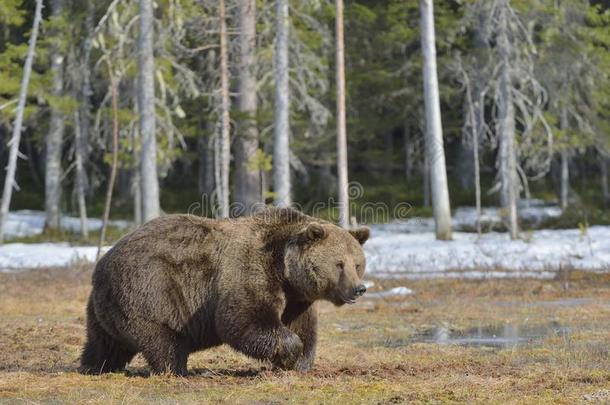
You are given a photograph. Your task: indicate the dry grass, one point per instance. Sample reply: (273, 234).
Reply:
(367, 353)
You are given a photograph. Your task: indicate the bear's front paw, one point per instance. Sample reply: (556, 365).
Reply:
(289, 350)
(304, 364)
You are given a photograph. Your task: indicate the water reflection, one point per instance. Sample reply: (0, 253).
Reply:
(500, 336)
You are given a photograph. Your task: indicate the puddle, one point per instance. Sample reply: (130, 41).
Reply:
(500, 336)
(566, 302)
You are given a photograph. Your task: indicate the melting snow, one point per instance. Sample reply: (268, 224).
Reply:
(390, 253)
(15, 256)
(28, 223)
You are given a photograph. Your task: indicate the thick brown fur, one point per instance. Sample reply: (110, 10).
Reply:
(182, 283)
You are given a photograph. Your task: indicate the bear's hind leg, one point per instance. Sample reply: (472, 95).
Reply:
(102, 352)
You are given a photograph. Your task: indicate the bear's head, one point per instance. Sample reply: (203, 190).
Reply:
(323, 261)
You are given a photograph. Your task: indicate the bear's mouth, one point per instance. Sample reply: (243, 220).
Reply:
(347, 300)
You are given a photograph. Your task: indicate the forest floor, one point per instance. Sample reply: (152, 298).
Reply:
(495, 341)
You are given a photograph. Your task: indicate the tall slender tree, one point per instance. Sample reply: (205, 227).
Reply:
(82, 121)
(54, 138)
(115, 158)
(281, 129)
(343, 192)
(224, 141)
(434, 131)
(473, 128)
(149, 181)
(247, 172)
(9, 180)
(80, 183)
(506, 125)
(565, 162)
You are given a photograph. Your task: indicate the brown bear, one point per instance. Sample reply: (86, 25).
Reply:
(182, 283)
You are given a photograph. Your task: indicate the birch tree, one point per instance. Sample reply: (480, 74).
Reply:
(54, 138)
(80, 146)
(281, 129)
(223, 155)
(9, 180)
(149, 181)
(434, 131)
(344, 217)
(506, 124)
(247, 173)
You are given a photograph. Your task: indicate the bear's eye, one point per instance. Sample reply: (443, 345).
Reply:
(340, 266)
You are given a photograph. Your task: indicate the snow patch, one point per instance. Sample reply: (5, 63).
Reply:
(15, 256)
(24, 223)
(393, 254)
(465, 218)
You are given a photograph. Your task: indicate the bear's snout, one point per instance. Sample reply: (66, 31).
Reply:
(359, 290)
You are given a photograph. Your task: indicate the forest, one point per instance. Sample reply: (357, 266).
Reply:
(236, 102)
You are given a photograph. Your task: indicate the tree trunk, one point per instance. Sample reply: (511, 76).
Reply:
(475, 125)
(9, 181)
(54, 139)
(247, 174)
(434, 130)
(80, 183)
(281, 132)
(136, 178)
(342, 175)
(82, 124)
(603, 163)
(149, 181)
(477, 88)
(565, 161)
(565, 179)
(506, 129)
(477, 134)
(113, 168)
(225, 141)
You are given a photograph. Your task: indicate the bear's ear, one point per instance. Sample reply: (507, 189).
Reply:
(361, 234)
(313, 232)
